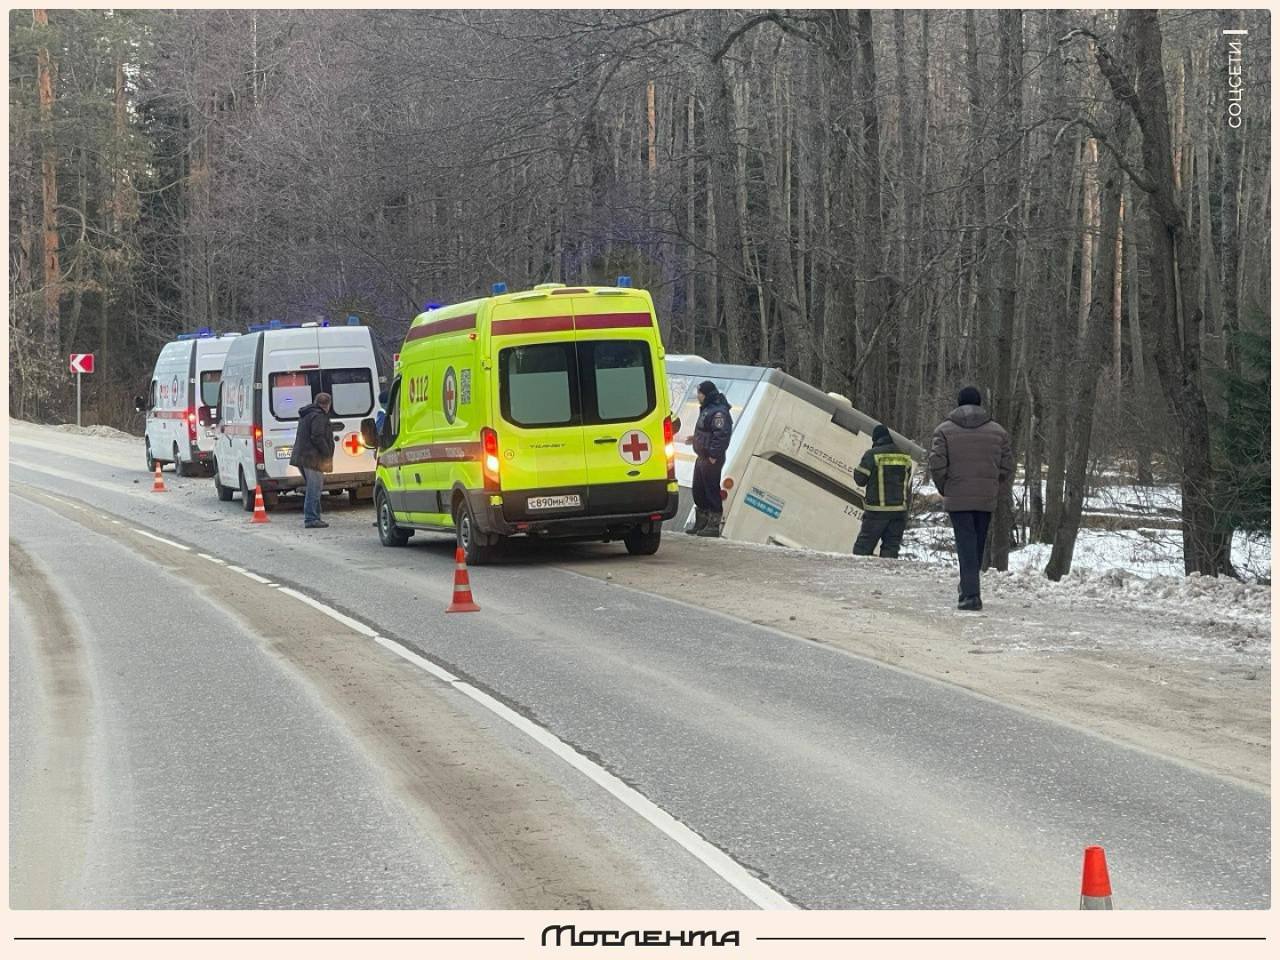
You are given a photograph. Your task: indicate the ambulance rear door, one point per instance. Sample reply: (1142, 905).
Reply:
(623, 404)
(543, 466)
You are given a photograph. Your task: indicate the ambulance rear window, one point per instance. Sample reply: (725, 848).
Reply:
(350, 387)
(209, 387)
(538, 385)
(290, 392)
(617, 380)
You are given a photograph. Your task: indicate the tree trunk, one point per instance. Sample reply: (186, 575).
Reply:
(52, 338)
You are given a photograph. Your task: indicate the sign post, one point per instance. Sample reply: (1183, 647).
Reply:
(81, 363)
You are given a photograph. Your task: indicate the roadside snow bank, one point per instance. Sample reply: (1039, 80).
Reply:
(94, 430)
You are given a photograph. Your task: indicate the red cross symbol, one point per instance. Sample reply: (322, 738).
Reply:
(448, 393)
(635, 446)
(352, 443)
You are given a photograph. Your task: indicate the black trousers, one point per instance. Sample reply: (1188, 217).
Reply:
(706, 484)
(970, 527)
(883, 526)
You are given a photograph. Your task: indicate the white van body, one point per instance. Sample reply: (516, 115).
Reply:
(267, 377)
(184, 381)
(788, 472)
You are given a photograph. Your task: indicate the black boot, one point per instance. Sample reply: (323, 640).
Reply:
(699, 521)
(712, 527)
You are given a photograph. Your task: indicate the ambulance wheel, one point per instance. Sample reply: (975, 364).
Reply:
(643, 543)
(151, 461)
(246, 495)
(179, 468)
(224, 493)
(473, 543)
(388, 532)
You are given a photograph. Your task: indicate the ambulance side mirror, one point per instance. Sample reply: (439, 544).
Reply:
(368, 433)
(139, 404)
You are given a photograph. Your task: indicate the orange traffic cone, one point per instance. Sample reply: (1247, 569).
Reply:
(462, 601)
(259, 508)
(158, 486)
(1095, 887)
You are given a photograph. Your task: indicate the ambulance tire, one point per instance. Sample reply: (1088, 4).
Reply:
(246, 495)
(224, 493)
(643, 543)
(151, 460)
(179, 468)
(470, 537)
(390, 534)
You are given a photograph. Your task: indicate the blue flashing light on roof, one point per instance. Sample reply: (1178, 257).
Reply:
(624, 281)
(353, 320)
(499, 288)
(274, 325)
(186, 336)
(431, 305)
(204, 332)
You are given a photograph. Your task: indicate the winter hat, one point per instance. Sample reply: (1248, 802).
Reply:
(969, 396)
(707, 389)
(881, 432)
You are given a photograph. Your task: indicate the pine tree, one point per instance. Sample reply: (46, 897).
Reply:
(1244, 436)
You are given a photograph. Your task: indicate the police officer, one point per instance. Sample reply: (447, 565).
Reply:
(886, 473)
(710, 441)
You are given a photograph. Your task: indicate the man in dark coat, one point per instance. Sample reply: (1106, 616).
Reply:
(313, 455)
(710, 441)
(886, 473)
(972, 466)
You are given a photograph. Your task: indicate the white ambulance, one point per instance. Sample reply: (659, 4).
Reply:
(268, 376)
(788, 473)
(184, 385)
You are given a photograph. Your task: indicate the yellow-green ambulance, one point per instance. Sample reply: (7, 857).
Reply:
(542, 413)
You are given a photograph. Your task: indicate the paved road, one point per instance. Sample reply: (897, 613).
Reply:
(840, 782)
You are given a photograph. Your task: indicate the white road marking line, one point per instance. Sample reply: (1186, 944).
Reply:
(152, 536)
(247, 573)
(118, 523)
(210, 559)
(328, 611)
(724, 866)
(728, 869)
(417, 661)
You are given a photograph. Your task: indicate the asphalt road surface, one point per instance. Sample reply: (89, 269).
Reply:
(217, 741)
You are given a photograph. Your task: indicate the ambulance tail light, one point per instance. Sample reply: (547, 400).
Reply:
(489, 440)
(258, 457)
(191, 425)
(669, 447)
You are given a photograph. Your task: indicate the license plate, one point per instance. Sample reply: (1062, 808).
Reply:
(284, 453)
(555, 503)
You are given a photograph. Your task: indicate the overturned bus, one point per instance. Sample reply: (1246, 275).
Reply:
(788, 473)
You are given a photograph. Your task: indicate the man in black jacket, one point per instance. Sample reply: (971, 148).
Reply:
(886, 473)
(313, 455)
(710, 441)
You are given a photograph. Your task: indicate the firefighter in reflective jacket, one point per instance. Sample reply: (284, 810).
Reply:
(886, 473)
(710, 441)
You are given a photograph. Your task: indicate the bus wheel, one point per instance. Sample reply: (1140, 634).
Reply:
(643, 543)
(151, 460)
(470, 539)
(390, 534)
(224, 493)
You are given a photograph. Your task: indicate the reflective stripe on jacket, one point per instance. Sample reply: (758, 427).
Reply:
(886, 473)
